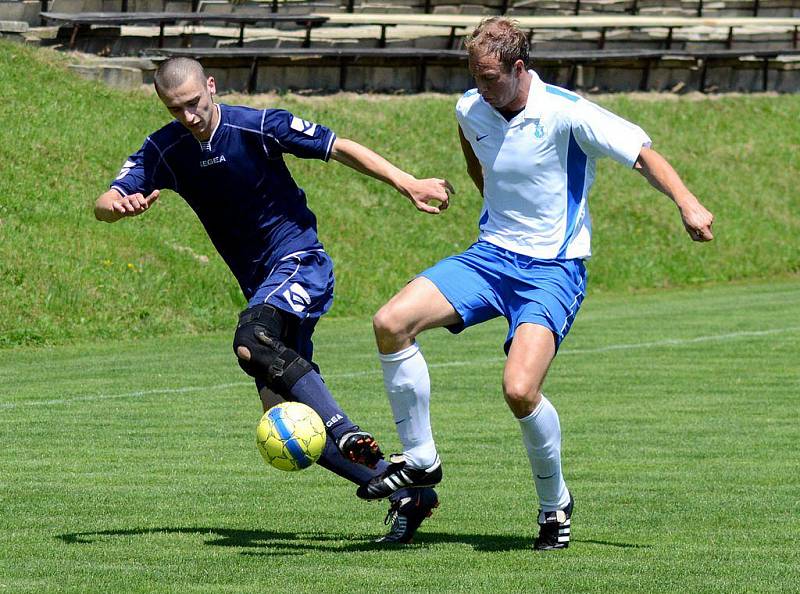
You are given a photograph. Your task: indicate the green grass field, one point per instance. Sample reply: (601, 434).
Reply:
(132, 467)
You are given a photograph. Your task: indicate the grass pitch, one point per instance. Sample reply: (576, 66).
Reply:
(132, 467)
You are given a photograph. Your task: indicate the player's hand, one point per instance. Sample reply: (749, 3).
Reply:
(134, 204)
(697, 220)
(430, 195)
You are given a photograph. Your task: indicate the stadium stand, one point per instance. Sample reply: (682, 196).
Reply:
(86, 20)
(445, 70)
(600, 24)
(417, 44)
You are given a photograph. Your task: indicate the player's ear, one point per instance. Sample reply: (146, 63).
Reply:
(212, 85)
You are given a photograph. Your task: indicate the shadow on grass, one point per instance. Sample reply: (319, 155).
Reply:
(270, 542)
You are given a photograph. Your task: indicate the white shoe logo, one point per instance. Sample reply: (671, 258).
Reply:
(297, 297)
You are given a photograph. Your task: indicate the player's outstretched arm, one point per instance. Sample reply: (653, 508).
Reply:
(425, 194)
(661, 175)
(112, 206)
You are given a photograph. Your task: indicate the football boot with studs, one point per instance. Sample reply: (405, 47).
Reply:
(398, 475)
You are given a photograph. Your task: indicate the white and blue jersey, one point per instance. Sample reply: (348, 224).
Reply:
(238, 184)
(538, 168)
(535, 229)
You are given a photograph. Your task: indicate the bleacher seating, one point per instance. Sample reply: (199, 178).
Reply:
(368, 44)
(263, 69)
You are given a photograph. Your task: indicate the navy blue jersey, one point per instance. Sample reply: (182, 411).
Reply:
(237, 183)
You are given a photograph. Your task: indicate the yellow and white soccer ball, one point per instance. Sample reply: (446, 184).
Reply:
(290, 436)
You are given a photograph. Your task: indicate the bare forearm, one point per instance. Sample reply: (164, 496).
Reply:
(370, 163)
(425, 194)
(696, 218)
(663, 177)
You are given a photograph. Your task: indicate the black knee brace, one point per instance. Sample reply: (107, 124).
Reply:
(261, 331)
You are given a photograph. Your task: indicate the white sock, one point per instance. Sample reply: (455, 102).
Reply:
(541, 434)
(405, 376)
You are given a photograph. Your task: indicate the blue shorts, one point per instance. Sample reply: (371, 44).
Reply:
(301, 285)
(487, 281)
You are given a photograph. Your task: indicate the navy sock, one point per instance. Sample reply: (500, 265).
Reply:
(333, 460)
(311, 390)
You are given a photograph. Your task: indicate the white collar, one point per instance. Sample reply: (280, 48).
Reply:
(207, 143)
(533, 107)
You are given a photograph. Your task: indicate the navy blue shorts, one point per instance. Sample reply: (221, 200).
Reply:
(301, 285)
(487, 281)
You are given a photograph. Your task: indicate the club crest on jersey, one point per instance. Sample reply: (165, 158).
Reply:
(212, 161)
(538, 131)
(297, 297)
(303, 126)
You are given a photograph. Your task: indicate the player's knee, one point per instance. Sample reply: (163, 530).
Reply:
(261, 352)
(388, 324)
(521, 396)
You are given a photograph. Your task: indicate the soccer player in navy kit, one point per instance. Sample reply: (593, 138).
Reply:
(227, 163)
(530, 149)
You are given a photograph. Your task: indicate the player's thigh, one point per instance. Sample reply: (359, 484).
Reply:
(529, 356)
(418, 306)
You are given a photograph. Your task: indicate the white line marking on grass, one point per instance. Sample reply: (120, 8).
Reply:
(137, 394)
(667, 342)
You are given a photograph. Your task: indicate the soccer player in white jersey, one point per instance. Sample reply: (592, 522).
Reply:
(530, 149)
(227, 163)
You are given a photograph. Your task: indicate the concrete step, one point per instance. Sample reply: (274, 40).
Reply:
(26, 11)
(121, 73)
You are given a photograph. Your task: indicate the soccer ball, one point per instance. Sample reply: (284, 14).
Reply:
(291, 436)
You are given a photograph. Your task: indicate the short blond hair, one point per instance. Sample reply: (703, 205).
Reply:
(501, 37)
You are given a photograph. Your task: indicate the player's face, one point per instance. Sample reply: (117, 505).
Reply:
(499, 87)
(192, 104)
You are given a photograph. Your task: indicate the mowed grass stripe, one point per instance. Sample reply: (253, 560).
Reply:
(682, 460)
(667, 342)
(605, 324)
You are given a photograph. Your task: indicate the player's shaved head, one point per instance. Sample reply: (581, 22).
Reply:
(188, 94)
(175, 71)
(501, 37)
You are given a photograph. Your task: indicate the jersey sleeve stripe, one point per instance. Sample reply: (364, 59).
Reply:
(264, 144)
(329, 147)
